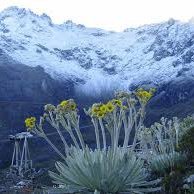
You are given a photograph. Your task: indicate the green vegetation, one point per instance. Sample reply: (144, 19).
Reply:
(187, 143)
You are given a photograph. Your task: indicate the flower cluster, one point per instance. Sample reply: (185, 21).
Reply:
(117, 102)
(49, 108)
(67, 106)
(143, 95)
(100, 110)
(64, 107)
(30, 123)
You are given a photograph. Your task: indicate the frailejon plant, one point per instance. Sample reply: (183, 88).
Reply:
(110, 171)
(171, 166)
(166, 162)
(160, 144)
(161, 137)
(163, 134)
(168, 133)
(112, 168)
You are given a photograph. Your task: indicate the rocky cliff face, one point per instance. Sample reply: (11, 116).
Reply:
(41, 62)
(24, 90)
(25, 87)
(96, 59)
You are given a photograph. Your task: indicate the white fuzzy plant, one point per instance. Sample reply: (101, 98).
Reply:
(160, 142)
(110, 168)
(160, 134)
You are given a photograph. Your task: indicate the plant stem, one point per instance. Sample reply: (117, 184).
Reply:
(69, 129)
(80, 138)
(79, 134)
(63, 139)
(56, 126)
(103, 133)
(54, 147)
(96, 133)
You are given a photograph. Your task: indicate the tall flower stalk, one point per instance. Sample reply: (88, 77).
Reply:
(110, 168)
(125, 112)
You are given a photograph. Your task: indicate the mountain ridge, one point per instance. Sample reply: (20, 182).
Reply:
(154, 53)
(42, 62)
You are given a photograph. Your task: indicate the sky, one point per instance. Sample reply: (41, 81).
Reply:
(115, 15)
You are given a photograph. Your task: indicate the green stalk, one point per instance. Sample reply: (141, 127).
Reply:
(119, 127)
(39, 131)
(54, 147)
(79, 134)
(138, 126)
(72, 135)
(125, 129)
(96, 133)
(128, 122)
(114, 128)
(80, 137)
(63, 139)
(103, 133)
(56, 126)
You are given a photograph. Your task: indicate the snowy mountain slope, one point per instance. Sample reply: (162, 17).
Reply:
(97, 58)
(76, 60)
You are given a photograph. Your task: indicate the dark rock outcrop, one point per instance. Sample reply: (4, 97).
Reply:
(24, 91)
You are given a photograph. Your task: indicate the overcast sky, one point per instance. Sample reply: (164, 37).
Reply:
(109, 14)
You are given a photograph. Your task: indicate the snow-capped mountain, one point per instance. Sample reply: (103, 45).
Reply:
(42, 62)
(96, 58)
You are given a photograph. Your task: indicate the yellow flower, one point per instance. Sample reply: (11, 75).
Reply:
(72, 106)
(99, 110)
(117, 102)
(95, 109)
(100, 114)
(30, 122)
(67, 105)
(143, 95)
(103, 108)
(110, 107)
(64, 103)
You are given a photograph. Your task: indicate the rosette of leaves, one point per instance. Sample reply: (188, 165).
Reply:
(171, 167)
(163, 142)
(164, 159)
(165, 163)
(111, 171)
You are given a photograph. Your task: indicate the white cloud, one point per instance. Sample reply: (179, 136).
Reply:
(108, 14)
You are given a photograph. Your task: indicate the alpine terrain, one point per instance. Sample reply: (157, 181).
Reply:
(42, 62)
